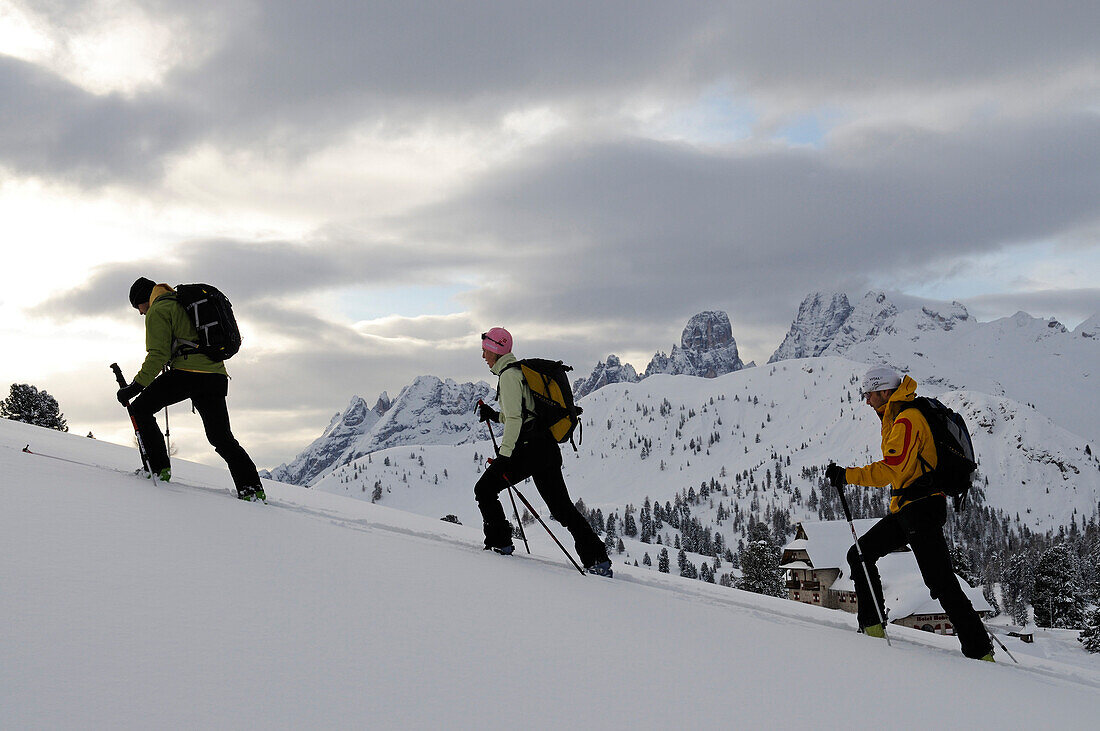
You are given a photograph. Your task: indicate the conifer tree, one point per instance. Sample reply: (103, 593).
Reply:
(1057, 598)
(630, 528)
(1090, 636)
(662, 561)
(1016, 586)
(760, 572)
(27, 404)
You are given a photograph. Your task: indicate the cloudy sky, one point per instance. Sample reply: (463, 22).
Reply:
(375, 183)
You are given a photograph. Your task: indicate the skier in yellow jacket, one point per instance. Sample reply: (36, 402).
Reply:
(916, 518)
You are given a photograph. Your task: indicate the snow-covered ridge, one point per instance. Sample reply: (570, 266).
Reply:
(428, 411)
(1027, 359)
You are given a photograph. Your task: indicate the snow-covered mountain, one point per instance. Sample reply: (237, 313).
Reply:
(707, 349)
(434, 411)
(820, 317)
(1023, 358)
(197, 610)
(1020, 382)
(610, 371)
(757, 439)
(427, 411)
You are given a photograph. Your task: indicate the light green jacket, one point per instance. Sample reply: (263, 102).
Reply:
(514, 398)
(166, 322)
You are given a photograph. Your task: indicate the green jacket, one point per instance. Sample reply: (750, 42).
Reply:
(514, 398)
(165, 323)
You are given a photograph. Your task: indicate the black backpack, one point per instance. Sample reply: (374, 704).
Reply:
(955, 459)
(555, 411)
(212, 315)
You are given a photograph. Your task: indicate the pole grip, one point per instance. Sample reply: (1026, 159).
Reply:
(118, 375)
(844, 504)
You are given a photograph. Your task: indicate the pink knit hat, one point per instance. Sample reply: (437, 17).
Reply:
(498, 340)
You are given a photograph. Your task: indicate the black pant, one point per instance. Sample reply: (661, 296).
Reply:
(207, 392)
(919, 524)
(539, 459)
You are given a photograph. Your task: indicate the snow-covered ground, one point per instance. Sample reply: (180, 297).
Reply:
(127, 605)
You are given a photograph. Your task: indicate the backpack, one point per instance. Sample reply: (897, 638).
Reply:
(212, 315)
(955, 457)
(554, 408)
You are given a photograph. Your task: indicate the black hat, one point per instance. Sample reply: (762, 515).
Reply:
(140, 291)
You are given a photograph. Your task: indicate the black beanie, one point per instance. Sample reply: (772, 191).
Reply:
(140, 291)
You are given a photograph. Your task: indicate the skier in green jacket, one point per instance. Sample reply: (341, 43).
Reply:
(193, 376)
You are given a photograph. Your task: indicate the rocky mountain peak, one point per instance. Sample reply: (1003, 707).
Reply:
(820, 317)
(827, 324)
(707, 331)
(610, 371)
(706, 349)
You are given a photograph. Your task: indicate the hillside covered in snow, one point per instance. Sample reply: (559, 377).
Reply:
(129, 605)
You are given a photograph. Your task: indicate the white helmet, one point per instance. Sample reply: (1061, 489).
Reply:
(879, 378)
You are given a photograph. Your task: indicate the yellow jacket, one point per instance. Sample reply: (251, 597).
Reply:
(905, 437)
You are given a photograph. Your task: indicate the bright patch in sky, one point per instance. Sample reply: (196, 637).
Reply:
(382, 302)
(107, 47)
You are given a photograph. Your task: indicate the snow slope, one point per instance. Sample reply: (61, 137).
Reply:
(133, 606)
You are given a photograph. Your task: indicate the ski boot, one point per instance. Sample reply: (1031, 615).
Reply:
(603, 568)
(875, 630)
(253, 494)
(502, 550)
(164, 475)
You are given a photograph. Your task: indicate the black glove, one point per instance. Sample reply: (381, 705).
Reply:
(501, 462)
(485, 412)
(128, 392)
(836, 475)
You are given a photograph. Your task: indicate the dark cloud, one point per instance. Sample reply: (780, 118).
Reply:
(51, 127)
(636, 230)
(288, 76)
(286, 58)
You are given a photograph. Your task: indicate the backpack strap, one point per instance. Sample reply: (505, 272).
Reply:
(527, 415)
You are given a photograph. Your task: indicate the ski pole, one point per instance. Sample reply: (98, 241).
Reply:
(137, 432)
(496, 450)
(998, 641)
(866, 572)
(563, 549)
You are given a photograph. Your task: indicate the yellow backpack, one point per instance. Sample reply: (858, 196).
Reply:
(553, 396)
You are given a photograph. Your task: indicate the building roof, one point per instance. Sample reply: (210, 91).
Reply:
(827, 542)
(796, 565)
